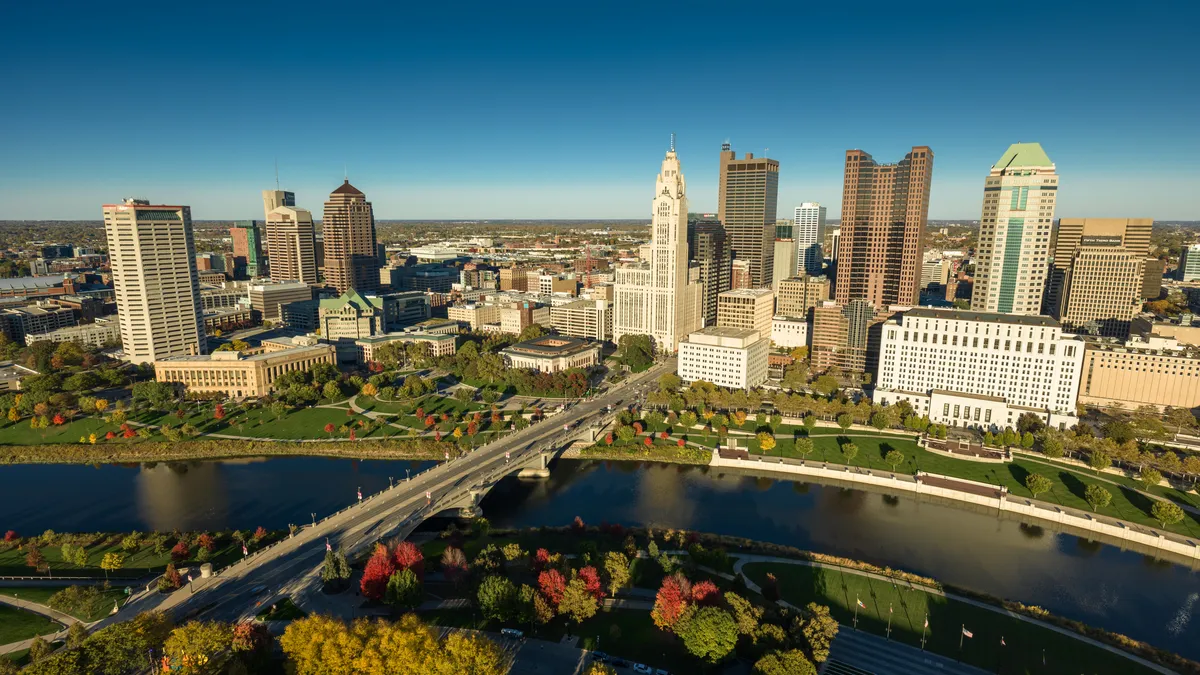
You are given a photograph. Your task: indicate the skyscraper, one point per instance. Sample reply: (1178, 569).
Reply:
(785, 261)
(1102, 288)
(1134, 234)
(884, 208)
(1014, 232)
(746, 206)
(709, 247)
(290, 245)
(662, 298)
(273, 199)
(809, 232)
(247, 250)
(155, 280)
(351, 257)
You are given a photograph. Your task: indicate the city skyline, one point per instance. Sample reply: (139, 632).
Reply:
(486, 102)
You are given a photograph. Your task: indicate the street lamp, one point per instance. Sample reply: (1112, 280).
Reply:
(389, 482)
(314, 517)
(407, 474)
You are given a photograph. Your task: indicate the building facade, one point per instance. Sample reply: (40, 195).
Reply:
(797, 296)
(589, 319)
(747, 308)
(155, 280)
(1133, 233)
(552, 354)
(102, 333)
(273, 199)
(1015, 228)
(348, 230)
(882, 237)
(747, 201)
(1189, 263)
(789, 332)
(247, 250)
(236, 375)
(727, 357)
(291, 246)
(839, 337)
(352, 316)
(980, 369)
(785, 261)
(25, 325)
(1149, 370)
(709, 247)
(439, 344)
(1102, 288)
(662, 298)
(809, 232)
(266, 299)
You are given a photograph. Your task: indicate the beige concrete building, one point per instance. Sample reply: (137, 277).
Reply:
(351, 316)
(1014, 232)
(839, 336)
(348, 233)
(747, 199)
(552, 354)
(291, 244)
(1143, 371)
(474, 314)
(785, 261)
(882, 236)
(273, 199)
(751, 308)
(267, 298)
(1133, 233)
(727, 357)
(789, 332)
(237, 375)
(1102, 288)
(226, 319)
(155, 281)
(797, 296)
(103, 332)
(439, 344)
(589, 319)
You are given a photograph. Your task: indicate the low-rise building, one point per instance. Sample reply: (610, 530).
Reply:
(237, 375)
(221, 297)
(11, 375)
(789, 331)
(1145, 370)
(212, 277)
(589, 319)
(980, 369)
(102, 332)
(747, 308)
(228, 318)
(267, 299)
(727, 357)
(351, 316)
(474, 314)
(405, 308)
(552, 354)
(798, 296)
(24, 324)
(439, 344)
(304, 315)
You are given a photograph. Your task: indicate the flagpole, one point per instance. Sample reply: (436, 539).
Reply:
(961, 633)
(923, 630)
(889, 628)
(856, 601)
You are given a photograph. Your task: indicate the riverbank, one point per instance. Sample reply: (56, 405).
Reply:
(211, 449)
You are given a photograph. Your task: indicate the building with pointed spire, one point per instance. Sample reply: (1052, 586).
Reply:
(348, 231)
(1014, 232)
(662, 297)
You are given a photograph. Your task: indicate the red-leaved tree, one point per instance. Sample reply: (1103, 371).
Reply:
(376, 574)
(541, 559)
(11, 536)
(219, 412)
(109, 436)
(58, 420)
(180, 552)
(649, 441)
(591, 579)
(329, 428)
(552, 585)
(429, 421)
(608, 438)
(705, 593)
(409, 557)
(680, 443)
(205, 541)
(671, 600)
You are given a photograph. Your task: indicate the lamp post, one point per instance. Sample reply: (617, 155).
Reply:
(314, 518)
(407, 475)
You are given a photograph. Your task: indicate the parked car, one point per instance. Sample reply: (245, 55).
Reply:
(512, 633)
(660, 671)
(642, 668)
(620, 663)
(600, 656)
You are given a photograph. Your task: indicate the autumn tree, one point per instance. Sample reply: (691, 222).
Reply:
(409, 556)
(111, 562)
(791, 662)
(670, 601)
(745, 614)
(591, 579)
(191, 647)
(766, 441)
(577, 600)
(818, 629)
(616, 567)
(552, 585)
(376, 574)
(454, 564)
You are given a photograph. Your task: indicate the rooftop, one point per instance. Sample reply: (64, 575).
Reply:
(351, 297)
(988, 317)
(726, 332)
(261, 356)
(31, 283)
(347, 189)
(551, 345)
(746, 293)
(1023, 154)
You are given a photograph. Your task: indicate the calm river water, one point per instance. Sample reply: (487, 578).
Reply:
(1103, 585)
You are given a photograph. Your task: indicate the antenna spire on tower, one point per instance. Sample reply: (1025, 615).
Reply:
(672, 141)
(276, 173)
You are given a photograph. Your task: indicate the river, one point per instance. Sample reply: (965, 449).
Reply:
(1124, 591)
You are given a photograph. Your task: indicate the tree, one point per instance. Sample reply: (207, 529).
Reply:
(409, 556)
(844, 421)
(597, 668)
(1099, 460)
(636, 351)
(810, 423)
(35, 559)
(669, 382)
(819, 629)
(670, 602)
(378, 571)
(577, 602)
(1149, 478)
(454, 564)
(616, 566)
(745, 614)
(194, 644)
(404, 590)
(709, 634)
(76, 634)
(766, 441)
(850, 450)
(111, 562)
(467, 653)
(791, 662)
(1166, 513)
(39, 649)
(880, 421)
(552, 585)
(894, 458)
(336, 570)
(825, 385)
(1037, 483)
(497, 598)
(158, 395)
(331, 390)
(1097, 496)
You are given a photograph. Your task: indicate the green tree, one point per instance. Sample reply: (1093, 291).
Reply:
(687, 419)
(850, 450)
(111, 562)
(404, 590)
(804, 446)
(192, 646)
(791, 662)
(745, 614)
(880, 421)
(1097, 496)
(1037, 483)
(157, 395)
(1052, 447)
(710, 633)
(810, 423)
(577, 602)
(669, 382)
(76, 634)
(636, 351)
(1166, 513)
(894, 458)
(818, 629)
(844, 421)
(1099, 460)
(464, 395)
(497, 598)
(331, 390)
(39, 649)
(825, 385)
(616, 567)
(1149, 478)
(336, 570)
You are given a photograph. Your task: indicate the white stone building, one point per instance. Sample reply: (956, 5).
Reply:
(982, 370)
(789, 331)
(809, 231)
(728, 357)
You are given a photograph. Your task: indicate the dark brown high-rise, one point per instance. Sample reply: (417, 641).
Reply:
(351, 257)
(884, 208)
(746, 207)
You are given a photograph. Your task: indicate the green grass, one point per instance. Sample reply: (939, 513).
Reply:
(283, 610)
(138, 564)
(18, 624)
(19, 433)
(41, 595)
(800, 585)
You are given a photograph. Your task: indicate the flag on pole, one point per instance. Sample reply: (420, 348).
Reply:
(327, 546)
(245, 551)
(1002, 642)
(927, 622)
(360, 494)
(967, 632)
(860, 603)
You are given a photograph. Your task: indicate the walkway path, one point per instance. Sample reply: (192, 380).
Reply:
(65, 619)
(744, 558)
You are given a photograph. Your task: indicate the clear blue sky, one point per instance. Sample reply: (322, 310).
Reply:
(506, 110)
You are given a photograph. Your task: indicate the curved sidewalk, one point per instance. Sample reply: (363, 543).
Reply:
(65, 619)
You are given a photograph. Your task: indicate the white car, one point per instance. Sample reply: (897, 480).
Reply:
(642, 668)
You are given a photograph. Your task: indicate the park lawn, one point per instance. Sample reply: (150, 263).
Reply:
(1025, 642)
(18, 624)
(1178, 496)
(382, 405)
(20, 433)
(138, 564)
(636, 450)
(41, 595)
(1068, 486)
(294, 425)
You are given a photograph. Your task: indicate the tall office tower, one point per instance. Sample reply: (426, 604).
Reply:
(1015, 231)
(247, 250)
(785, 229)
(785, 261)
(155, 280)
(810, 238)
(290, 245)
(1102, 288)
(1134, 234)
(739, 274)
(351, 257)
(1189, 263)
(747, 308)
(273, 199)
(708, 246)
(839, 336)
(884, 208)
(662, 298)
(746, 206)
(796, 297)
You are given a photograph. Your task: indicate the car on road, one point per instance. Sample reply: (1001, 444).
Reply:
(600, 656)
(512, 633)
(642, 668)
(620, 663)
(258, 589)
(660, 671)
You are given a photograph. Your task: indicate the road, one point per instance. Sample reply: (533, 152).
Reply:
(293, 566)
